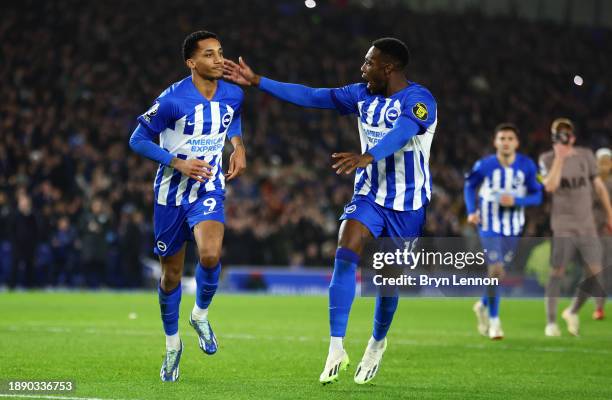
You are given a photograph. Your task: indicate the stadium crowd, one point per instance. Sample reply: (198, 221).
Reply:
(76, 203)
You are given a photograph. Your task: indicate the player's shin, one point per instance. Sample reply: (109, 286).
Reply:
(342, 290)
(493, 301)
(169, 303)
(383, 316)
(207, 281)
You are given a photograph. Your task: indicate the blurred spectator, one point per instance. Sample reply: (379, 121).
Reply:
(63, 253)
(26, 233)
(131, 239)
(94, 229)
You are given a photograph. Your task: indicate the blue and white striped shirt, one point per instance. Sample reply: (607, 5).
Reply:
(190, 126)
(401, 181)
(518, 180)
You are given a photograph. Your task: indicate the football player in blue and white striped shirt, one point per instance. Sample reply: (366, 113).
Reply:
(508, 183)
(396, 119)
(192, 118)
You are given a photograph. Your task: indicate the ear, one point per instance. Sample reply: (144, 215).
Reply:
(190, 63)
(389, 68)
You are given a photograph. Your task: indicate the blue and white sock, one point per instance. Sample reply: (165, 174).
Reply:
(342, 291)
(169, 304)
(383, 316)
(207, 281)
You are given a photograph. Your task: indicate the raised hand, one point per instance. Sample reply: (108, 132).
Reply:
(239, 73)
(194, 168)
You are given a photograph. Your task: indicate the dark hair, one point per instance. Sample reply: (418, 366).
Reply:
(190, 44)
(507, 126)
(394, 48)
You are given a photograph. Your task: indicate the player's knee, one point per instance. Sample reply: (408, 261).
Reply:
(496, 271)
(170, 278)
(209, 259)
(557, 272)
(351, 242)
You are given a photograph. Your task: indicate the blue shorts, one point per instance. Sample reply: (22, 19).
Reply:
(385, 222)
(173, 225)
(499, 249)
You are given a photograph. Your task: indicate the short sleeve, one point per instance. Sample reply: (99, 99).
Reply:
(592, 164)
(545, 162)
(421, 108)
(345, 98)
(158, 117)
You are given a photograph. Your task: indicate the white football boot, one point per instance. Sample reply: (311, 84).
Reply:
(370, 363)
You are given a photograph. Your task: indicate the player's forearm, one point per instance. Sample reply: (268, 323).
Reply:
(142, 143)
(299, 95)
(532, 199)
(603, 195)
(553, 179)
(404, 130)
(237, 143)
(469, 195)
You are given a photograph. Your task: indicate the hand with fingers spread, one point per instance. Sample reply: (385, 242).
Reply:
(240, 73)
(199, 170)
(349, 162)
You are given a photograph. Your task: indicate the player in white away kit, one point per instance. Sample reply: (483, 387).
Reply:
(192, 119)
(396, 120)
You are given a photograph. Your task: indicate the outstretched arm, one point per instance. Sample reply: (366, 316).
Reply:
(299, 95)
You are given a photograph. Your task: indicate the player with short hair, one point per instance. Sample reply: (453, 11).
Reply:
(568, 172)
(508, 183)
(604, 167)
(396, 121)
(192, 118)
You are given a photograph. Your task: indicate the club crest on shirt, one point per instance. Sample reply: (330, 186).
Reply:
(151, 112)
(420, 111)
(350, 209)
(392, 114)
(227, 118)
(161, 246)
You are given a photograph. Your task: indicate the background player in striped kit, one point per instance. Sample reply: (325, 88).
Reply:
(604, 166)
(568, 172)
(396, 120)
(192, 118)
(508, 183)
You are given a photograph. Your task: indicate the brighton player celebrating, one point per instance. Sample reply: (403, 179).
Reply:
(192, 117)
(508, 183)
(396, 121)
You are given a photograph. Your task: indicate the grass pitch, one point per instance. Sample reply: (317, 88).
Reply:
(112, 344)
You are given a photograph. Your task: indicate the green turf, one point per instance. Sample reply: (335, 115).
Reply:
(275, 347)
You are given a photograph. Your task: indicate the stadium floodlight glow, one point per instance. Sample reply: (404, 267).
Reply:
(310, 3)
(578, 80)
